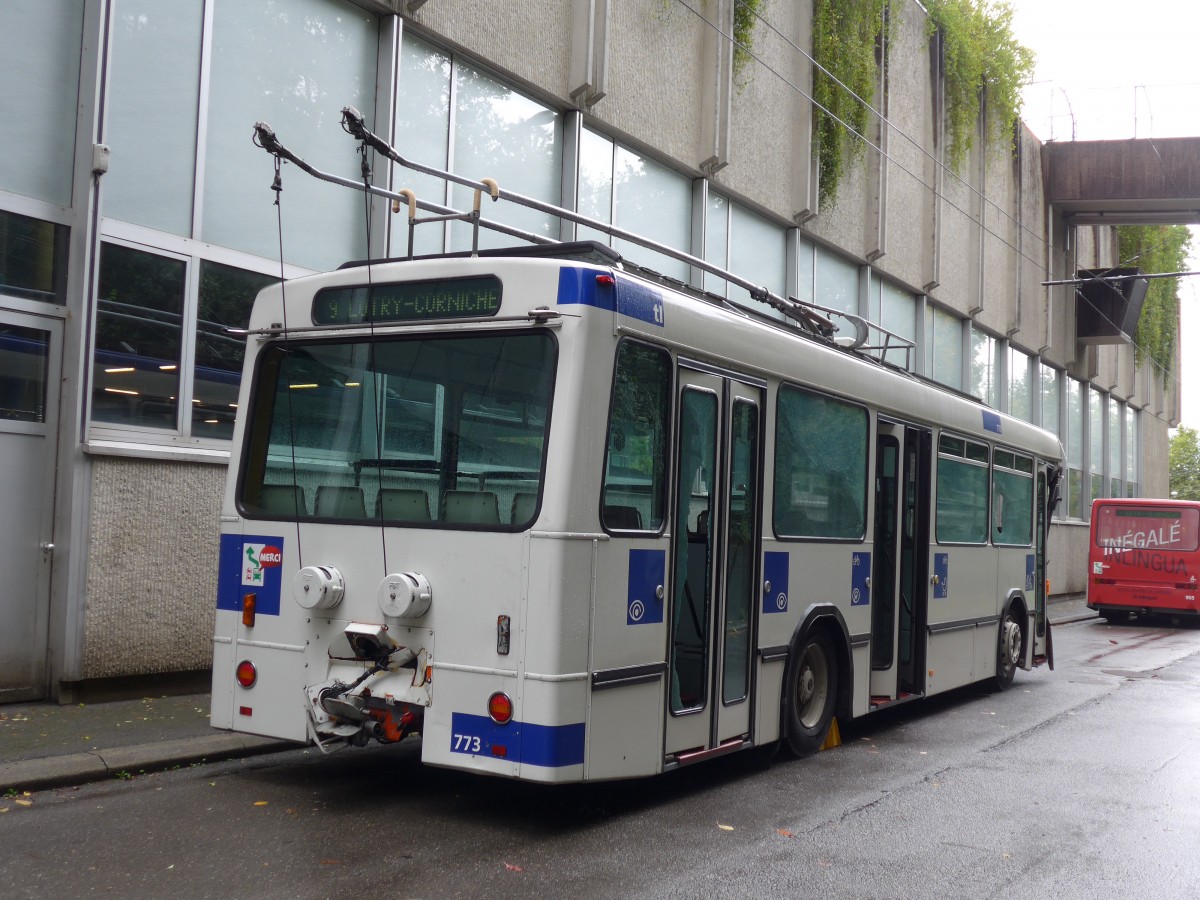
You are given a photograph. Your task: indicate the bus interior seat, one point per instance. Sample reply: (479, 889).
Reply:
(524, 505)
(471, 508)
(340, 502)
(623, 518)
(402, 505)
(283, 499)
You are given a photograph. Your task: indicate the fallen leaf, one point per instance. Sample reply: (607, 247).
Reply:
(513, 868)
(24, 802)
(1111, 641)
(784, 832)
(3, 809)
(260, 802)
(725, 827)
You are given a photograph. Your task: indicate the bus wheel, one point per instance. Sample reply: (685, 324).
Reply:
(1008, 652)
(810, 689)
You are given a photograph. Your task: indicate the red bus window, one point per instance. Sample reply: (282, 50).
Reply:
(1148, 527)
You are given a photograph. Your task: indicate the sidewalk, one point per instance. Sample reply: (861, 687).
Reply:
(43, 745)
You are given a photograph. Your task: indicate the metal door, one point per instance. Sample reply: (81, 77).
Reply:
(901, 538)
(715, 553)
(30, 370)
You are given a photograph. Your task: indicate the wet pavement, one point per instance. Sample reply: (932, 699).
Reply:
(44, 745)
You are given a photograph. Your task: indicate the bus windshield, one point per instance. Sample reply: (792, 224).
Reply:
(427, 431)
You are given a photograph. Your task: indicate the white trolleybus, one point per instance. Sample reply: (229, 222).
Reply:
(569, 521)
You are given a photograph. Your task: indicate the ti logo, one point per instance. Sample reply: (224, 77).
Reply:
(659, 315)
(259, 558)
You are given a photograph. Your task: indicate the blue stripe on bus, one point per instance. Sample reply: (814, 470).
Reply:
(629, 298)
(551, 746)
(991, 421)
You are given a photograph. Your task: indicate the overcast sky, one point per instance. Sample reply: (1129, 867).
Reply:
(1115, 69)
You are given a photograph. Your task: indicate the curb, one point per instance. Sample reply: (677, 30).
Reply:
(81, 768)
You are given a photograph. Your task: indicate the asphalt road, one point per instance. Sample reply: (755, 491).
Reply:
(1083, 782)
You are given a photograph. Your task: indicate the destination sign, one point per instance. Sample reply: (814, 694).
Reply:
(408, 301)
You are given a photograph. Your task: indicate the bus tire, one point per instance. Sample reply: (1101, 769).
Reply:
(810, 692)
(1009, 646)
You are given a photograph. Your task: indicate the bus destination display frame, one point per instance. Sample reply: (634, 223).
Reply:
(477, 296)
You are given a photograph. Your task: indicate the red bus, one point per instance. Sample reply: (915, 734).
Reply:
(1144, 557)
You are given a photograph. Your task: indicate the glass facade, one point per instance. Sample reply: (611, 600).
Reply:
(984, 380)
(747, 245)
(1020, 384)
(321, 56)
(154, 83)
(40, 47)
(943, 347)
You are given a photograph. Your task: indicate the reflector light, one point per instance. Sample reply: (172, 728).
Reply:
(606, 280)
(500, 708)
(247, 674)
(249, 602)
(245, 711)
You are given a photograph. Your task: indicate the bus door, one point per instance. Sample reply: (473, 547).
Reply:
(899, 577)
(715, 553)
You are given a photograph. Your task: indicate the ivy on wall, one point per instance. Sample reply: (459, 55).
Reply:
(745, 15)
(1153, 249)
(845, 38)
(982, 59)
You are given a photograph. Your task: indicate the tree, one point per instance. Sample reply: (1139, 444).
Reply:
(1184, 457)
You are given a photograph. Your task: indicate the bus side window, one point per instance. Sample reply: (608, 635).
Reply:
(820, 466)
(635, 463)
(962, 491)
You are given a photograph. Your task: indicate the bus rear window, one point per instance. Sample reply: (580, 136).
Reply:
(427, 431)
(1147, 527)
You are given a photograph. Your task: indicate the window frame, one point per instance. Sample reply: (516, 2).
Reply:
(1029, 474)
(793, 387)
(668, 424)
(962, 459)
(112, 435)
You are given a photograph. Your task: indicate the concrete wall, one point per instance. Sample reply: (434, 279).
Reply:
(152, 567)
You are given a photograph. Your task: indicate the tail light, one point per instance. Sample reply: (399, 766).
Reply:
(247, 674)
(500, 708)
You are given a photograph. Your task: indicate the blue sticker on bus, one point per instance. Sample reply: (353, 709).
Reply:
(640, 301)
(1029, 572)
(941, 569)
(775, 582)
(578, 286)
(647, 575)
(991, 421)
(860, 579)
(551, 746)
(250, 564)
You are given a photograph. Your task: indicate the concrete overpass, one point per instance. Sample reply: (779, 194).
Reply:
(1130, 182)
